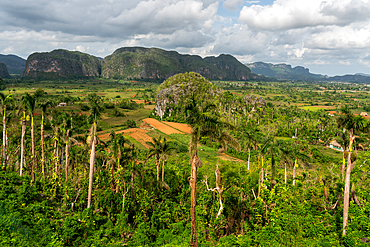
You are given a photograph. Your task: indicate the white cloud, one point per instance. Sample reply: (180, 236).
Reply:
(82, 48)
(318, 62)
(288, 14)
(8, 49)
(231, 4)
(355, 36)
(344, 62)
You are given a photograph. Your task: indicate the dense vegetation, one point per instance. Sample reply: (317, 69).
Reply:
(276, 191)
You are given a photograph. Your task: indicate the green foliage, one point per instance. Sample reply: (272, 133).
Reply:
(129, 104)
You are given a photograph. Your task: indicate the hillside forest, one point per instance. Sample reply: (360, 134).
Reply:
(185, 162)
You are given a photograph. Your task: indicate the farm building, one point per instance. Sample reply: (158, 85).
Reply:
(336, 146)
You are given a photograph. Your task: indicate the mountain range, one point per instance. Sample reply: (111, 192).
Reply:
(134, 63)
(284, 71)
(153, 63)
(14, 64)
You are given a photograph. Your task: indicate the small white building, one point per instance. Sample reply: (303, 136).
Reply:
(336, 146)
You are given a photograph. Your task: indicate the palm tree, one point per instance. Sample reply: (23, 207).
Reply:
(117, 144)
(160, 149)
(154, 151)
(167, 147)
(205, 123)
(56, 139)
(43, 106)
(23, 123)
(68, 140)
(5, 100)
(96, 107)
(286, 155)
(250, 141)
(272, 147)
(30, 103)
(353, 124)
(295, 155)
(343, 140)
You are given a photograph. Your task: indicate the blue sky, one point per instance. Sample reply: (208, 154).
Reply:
(329, 37)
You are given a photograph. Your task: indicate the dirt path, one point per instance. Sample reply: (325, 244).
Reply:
(230, 158)
(161, 127)
(180, 126)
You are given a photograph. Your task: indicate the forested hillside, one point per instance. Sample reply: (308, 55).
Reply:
(217, 163)
(3, 71)
(14, 64)
(61, 63)
(133, 63)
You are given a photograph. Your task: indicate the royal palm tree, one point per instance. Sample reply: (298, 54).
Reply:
(43, 106)
(343, 140)
(5, 100)
(96, 108)
(249, 141)
(168, 148)
(205, 122)
(354, 124)
(29, 102)
(160, 149)
(23, 123)
(68, 140)
(56, 138)
(154, 151)
(272, 147)
(117, 144)
(295, 155)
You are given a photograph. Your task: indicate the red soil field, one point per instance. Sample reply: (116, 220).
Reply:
(161, 127)
(180, 126)
(136, 133)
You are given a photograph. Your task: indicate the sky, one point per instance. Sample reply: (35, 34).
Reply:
(330, 37)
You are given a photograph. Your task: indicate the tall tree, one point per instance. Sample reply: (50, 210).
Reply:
(160, 149)
(117, 144)
(272, 147)
(30, 103)
(353, 124)
(23, 124)
(155, 151)
(5, 100)
(249, 140)
(96, 108)
(168, 148)
(204, 124)
(43, 106)
(192, 98)
(343, 140)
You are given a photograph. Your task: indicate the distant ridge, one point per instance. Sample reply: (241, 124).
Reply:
(14, 64)
(284, 71)
(299, 73)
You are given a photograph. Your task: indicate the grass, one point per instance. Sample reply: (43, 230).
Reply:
(329, 152)
(312, 108)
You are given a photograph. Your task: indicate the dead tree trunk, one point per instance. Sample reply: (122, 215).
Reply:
(218, 188)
